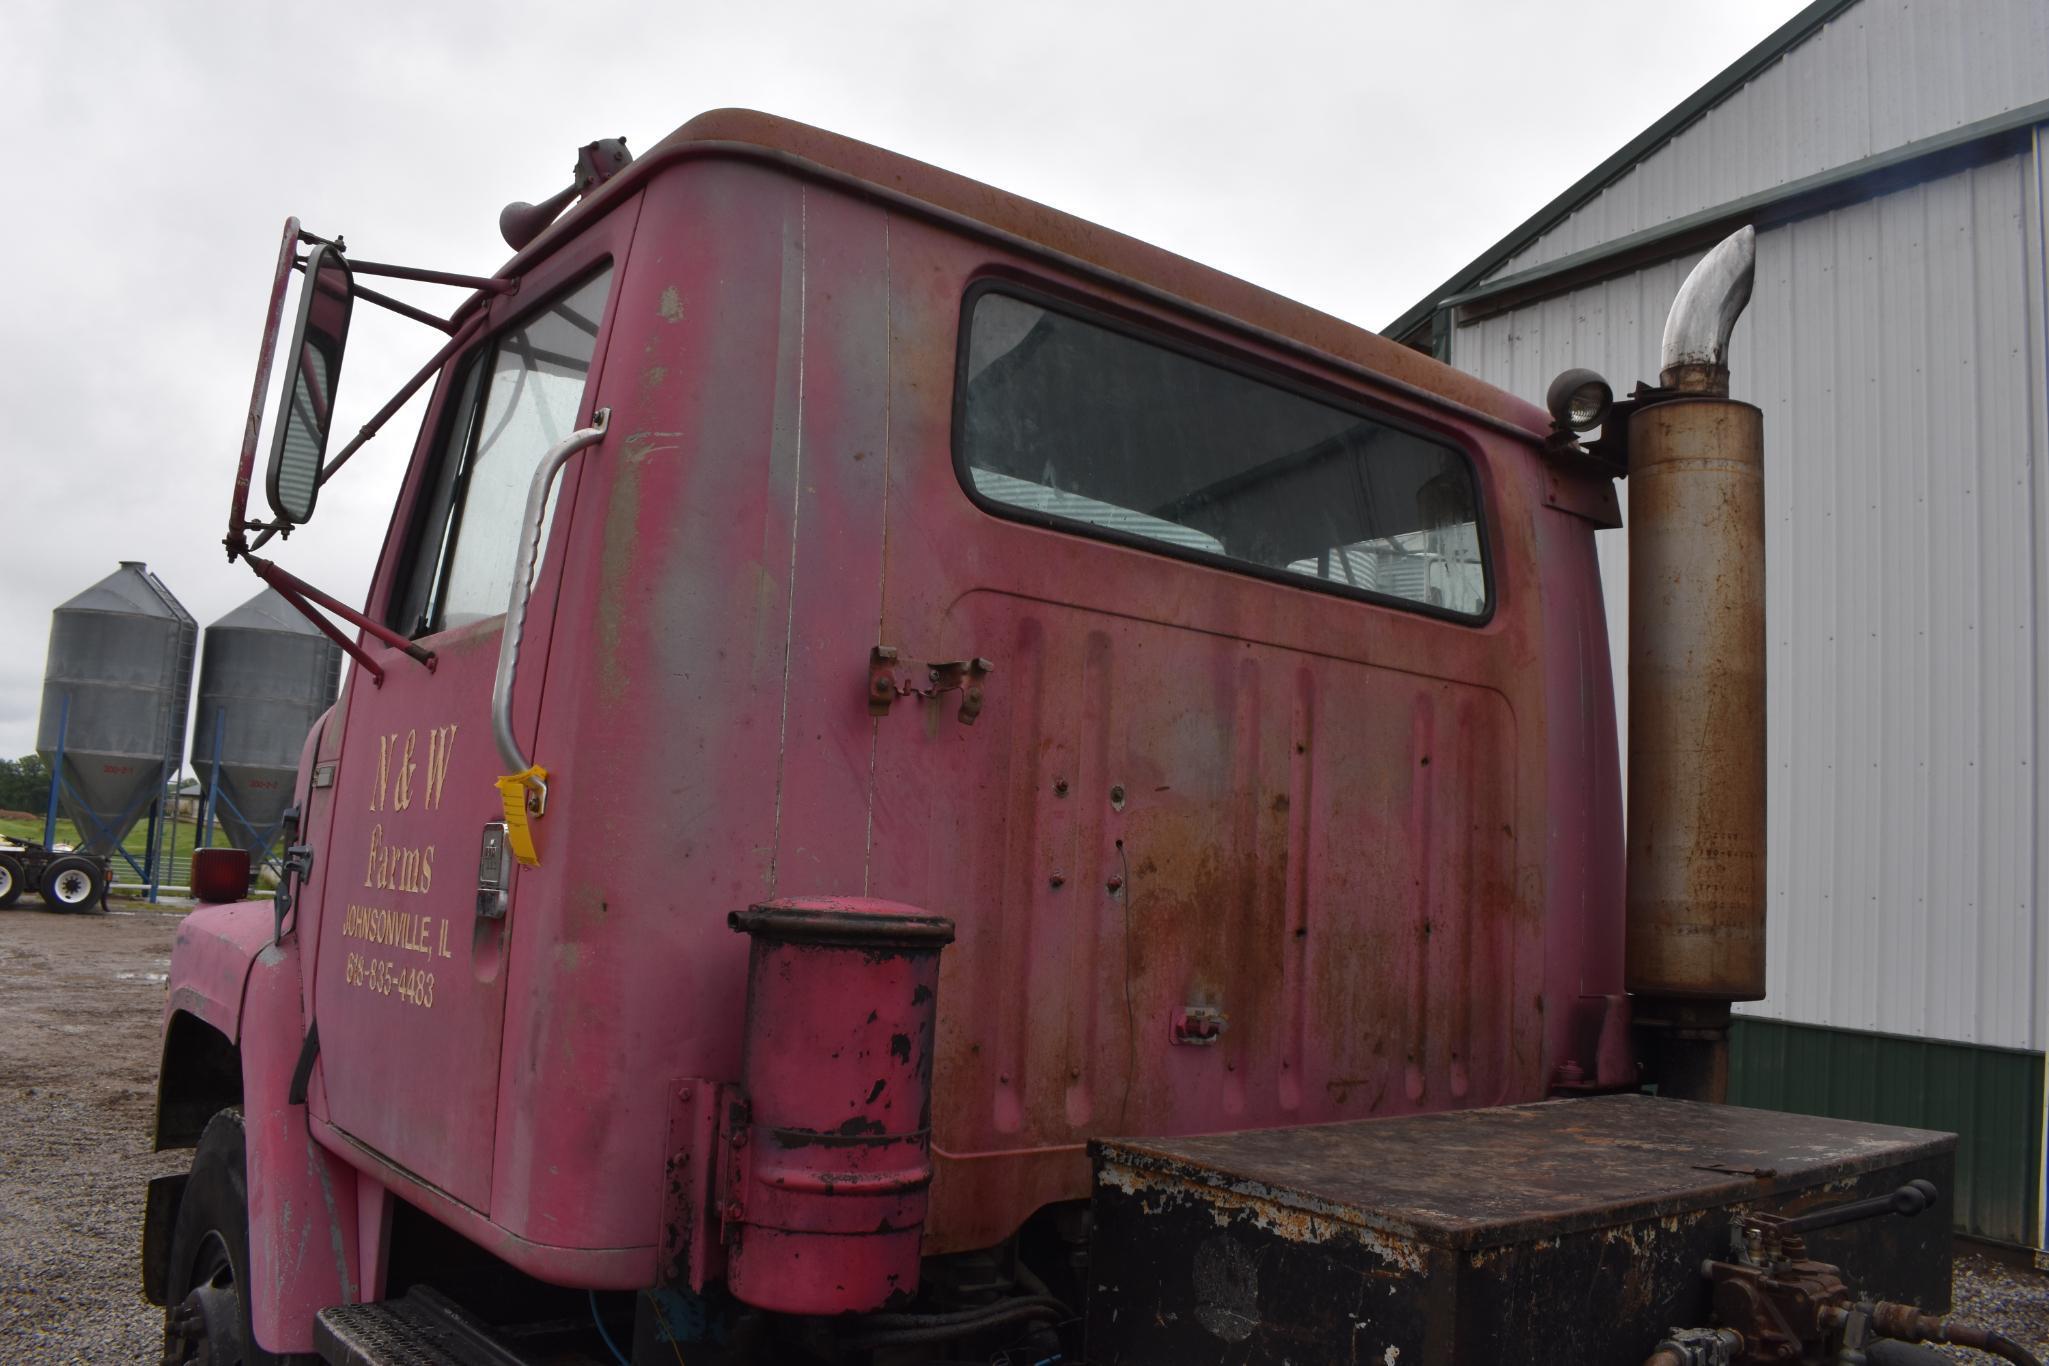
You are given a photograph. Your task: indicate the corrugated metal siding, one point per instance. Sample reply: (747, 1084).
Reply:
(1990, 1098)
(1895, 348)
(1881, 74)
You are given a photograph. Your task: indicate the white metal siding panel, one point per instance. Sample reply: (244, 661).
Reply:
(2035, 307)
(1894, 347)
(1881, 74)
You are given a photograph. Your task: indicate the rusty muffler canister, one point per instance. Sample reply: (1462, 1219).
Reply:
(1696, 700)
(832, 1178)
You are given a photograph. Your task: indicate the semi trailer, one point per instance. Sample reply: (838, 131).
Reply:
(67, 879)
(922, 781)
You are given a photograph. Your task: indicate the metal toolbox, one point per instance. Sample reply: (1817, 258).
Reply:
(1569, 1231)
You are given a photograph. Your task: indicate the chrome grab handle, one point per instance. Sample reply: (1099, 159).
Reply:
(522, 575)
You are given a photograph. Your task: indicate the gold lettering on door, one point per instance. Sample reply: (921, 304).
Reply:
(402, 789)
(440, 741)
(398, 867)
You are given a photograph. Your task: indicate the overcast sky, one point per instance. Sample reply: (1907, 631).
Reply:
(1349, 155)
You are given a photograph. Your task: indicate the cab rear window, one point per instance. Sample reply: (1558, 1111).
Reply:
(1078, 424)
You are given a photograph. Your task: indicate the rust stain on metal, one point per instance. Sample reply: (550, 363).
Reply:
(1231, 1203)
(1696, 700)
(621, 542)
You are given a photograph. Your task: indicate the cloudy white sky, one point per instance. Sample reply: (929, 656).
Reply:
(1348, 155)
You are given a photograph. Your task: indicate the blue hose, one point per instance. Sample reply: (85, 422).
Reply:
(610, 1345)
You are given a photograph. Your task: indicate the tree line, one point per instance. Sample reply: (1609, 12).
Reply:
(24, 783)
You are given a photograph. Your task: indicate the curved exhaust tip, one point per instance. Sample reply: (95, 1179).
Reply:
(1695, 356)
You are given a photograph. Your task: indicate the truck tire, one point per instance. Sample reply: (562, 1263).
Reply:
(206, 1319)
(73, 883)
(11, 880)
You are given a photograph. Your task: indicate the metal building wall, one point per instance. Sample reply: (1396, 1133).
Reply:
(1991, 1097)
(1876, 75)
(1895, 347)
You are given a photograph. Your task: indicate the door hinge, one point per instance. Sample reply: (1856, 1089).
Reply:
(291, 882)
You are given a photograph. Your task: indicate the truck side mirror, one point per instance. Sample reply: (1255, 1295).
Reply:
(300, 444)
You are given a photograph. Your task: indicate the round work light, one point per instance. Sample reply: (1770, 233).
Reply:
(1579, 400)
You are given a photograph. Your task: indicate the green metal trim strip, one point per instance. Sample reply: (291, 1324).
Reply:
(1783, 39)
(1944, 154)
(1991, 1098)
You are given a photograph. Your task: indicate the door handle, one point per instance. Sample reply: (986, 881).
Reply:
(494, 876)
(525, 788)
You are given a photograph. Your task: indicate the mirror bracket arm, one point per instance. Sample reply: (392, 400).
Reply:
(465, 333)
(462, 337)
(327, 628)
(383, 300)
(482, 283)
(302, 596)
(405, 310)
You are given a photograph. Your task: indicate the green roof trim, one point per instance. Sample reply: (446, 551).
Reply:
(1943, 154)
(1782, 40)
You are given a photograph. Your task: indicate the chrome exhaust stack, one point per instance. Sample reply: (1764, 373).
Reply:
(1695, 356)
(1696, 824)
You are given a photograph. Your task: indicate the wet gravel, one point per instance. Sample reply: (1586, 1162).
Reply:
(80, 1001)
(2013, 1299)
(81, 998)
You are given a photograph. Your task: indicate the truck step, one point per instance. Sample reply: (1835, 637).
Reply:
(421, 1328)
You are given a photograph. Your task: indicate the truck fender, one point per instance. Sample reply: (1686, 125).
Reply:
(210, 962)
(200, 1073)
(302, 1198)
(237, 995)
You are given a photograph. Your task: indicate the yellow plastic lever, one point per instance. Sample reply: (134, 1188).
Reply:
(513, 789)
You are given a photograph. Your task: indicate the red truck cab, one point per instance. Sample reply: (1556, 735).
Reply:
(1233, 680)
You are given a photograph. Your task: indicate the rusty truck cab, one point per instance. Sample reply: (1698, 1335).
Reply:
(1234, 680)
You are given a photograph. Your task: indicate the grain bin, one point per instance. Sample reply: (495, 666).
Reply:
(265, 676)
(115, 693)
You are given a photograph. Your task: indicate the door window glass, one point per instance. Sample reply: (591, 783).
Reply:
(518, 400)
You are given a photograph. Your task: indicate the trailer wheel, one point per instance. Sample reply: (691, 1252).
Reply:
(206, 1322)
(11, 880)
(72, 883)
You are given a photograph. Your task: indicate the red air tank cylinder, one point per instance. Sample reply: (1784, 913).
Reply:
(829, 1177)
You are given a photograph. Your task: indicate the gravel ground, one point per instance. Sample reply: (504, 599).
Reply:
(80, 1002)
(2014, 1300)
